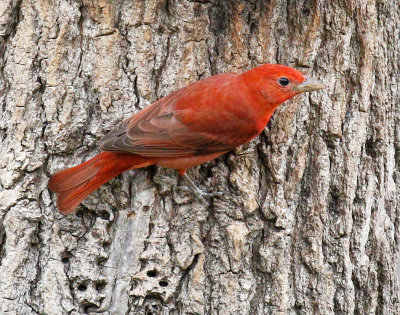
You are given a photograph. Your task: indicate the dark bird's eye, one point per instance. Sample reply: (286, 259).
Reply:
(283, 81)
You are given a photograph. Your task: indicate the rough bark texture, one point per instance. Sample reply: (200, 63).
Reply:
(309, 218)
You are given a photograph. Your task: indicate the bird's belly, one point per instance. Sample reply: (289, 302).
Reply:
(183, 163)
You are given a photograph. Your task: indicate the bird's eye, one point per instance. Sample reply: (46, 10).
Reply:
(283, 81)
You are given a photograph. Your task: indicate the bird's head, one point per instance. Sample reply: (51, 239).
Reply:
(278, 83)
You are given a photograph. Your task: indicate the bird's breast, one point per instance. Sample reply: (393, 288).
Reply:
(181, 163)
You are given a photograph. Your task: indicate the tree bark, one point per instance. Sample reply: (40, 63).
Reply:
(308, 222)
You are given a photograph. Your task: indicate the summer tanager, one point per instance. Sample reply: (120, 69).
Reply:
(185, 128)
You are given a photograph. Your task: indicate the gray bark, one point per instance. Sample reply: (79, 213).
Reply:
(308, 222)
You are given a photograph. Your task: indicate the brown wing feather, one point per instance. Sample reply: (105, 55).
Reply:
(208, 116)
(157, 132)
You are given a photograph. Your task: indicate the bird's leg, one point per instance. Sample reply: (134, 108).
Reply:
(196, 189)
(199, 192)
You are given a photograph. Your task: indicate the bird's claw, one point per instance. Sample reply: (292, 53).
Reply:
(199, 192)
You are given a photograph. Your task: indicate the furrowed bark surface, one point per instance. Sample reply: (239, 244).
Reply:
(308, 222)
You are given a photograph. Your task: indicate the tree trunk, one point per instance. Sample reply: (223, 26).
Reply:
(308, 222)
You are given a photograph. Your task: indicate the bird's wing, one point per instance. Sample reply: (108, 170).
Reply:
(170, 128)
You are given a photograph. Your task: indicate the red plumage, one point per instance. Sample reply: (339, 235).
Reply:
(74, 184)
(186, 128)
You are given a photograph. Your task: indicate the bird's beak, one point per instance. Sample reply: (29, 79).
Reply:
(309, 85)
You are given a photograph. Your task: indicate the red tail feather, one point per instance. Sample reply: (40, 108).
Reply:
(74, 184)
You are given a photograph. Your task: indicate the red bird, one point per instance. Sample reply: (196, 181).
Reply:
(185, 128)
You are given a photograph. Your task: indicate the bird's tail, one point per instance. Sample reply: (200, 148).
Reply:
(74, 184)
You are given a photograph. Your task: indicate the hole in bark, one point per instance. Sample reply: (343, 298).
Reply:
(273, 220)
(333, 206)
(100, 285)
(89, 307)
(163, 283)
(281, 32)
(65, 257)
(105, 215)
(371, 148)
(82, 287)
(253, 27)
(79, 213)
(153, 303)
(131, 215)
(152, 273)
(101, 261)
(160, 29)
(3, 238)
(146, 208)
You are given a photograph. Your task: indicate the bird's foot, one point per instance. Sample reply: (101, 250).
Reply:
(199, 192)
